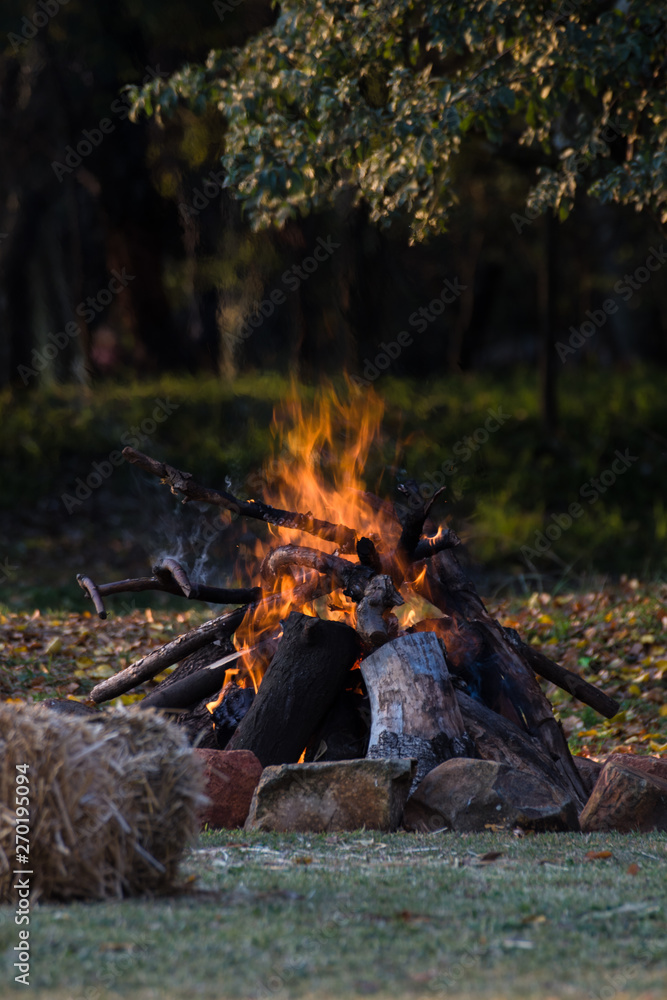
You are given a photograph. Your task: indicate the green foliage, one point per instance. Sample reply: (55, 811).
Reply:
(337, 96)
(499, 495)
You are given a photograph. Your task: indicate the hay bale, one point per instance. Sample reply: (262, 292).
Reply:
(114, 801)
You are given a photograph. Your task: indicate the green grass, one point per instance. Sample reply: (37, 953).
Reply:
(368, 914)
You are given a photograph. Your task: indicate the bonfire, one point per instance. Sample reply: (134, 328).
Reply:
(354, 631)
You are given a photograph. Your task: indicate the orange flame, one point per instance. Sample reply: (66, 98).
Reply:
(321, 453)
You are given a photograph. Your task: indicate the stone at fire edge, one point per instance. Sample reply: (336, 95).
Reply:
(332, 795)
(470, 795)
(630, 794)
(231, 779)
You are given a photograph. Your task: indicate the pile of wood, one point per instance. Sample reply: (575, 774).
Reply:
(461, 685)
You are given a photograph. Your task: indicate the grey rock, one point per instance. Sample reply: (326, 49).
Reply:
(331, 795)
(471, 795)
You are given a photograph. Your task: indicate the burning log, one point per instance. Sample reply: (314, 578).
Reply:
(374, 622)
(188, 691)
(413, 704)
(351, 577)
(304, 678)
(375, 593)
(235, 704)
(412, 523)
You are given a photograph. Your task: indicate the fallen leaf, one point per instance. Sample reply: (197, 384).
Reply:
(633, 869)
(597, 855)
(491, 856)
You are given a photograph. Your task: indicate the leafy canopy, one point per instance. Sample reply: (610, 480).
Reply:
(381, 98)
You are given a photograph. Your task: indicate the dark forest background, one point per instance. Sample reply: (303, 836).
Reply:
(145, 201)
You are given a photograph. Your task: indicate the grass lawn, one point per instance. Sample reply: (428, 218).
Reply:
(365, 914)
(444, 915)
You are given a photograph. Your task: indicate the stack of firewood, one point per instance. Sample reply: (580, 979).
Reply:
(460, 685)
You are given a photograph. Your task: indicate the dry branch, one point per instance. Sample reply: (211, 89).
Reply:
(91, 591)
(157, 660)
(182, 482)
(564, 678)
(166, 584)
(168, 568)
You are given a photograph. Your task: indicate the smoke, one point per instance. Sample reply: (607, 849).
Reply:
(201, 538)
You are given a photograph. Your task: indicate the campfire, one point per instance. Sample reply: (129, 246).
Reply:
(357, 632)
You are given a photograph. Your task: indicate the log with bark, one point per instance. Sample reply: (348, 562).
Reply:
(165, 656)
(413, 704)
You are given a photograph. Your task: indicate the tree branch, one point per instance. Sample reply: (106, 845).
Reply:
(182, 482)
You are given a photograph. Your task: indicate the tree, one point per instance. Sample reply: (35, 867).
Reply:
(380, 99)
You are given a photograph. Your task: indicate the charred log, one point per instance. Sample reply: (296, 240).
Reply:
(518, 694)
(343, 734)
(304, 678)
(234, 707)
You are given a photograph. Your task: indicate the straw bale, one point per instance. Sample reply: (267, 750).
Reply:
(114, 801)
